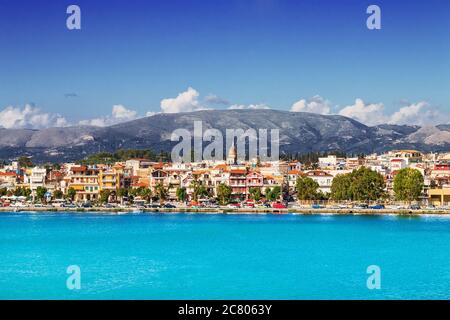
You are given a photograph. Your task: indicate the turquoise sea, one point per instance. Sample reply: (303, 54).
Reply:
(202, 256)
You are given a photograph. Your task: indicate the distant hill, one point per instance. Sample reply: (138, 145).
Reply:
(299, 132)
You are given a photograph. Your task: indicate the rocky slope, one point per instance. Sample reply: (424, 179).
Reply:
(299, 132)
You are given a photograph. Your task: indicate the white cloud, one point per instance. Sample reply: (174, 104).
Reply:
(420, 113)
(369, 114)
(29, 117)
(250, 106)
(216, 100)
(316, 104)
(186, 101)
(119, 114)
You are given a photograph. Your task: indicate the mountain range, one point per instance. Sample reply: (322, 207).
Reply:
(299, 132)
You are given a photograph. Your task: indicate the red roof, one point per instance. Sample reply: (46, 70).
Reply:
(221, 167)
(140, 184)
(158, 165)
(318, 173)
(296, 172)
(8, 174)
(78, 169)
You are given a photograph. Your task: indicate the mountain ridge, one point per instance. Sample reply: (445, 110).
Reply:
(299, 132)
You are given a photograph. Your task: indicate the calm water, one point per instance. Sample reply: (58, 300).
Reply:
(182, 256)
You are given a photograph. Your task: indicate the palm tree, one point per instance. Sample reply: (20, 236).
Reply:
(198, 188)
(224, 193)
(146, 194)
(122, 193)
(181, 194)
(255, 194)
(161, 192)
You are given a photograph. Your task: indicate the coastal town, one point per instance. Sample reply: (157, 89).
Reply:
(332, 182)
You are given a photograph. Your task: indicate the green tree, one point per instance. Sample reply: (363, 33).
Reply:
(146, 194)
(18, 191)
(40, 193)
(71, 193)
(341, 187)
(306, 188)
(3, 192)
(58, 194)
(181, 194)
(25, 162)
(161, 192)
(273, 194)
(362, 184)
(255, 193)
(104, 196)
(122, 193)
(224, 193)
(26, 192)
(408, 184)
(367, 185)
(132, 193)
(198, 189)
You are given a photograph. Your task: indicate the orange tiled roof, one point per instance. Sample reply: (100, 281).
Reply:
(158, 165)
(78, 169)
(296, 172)
(318, 173)
(140, 184)
(238, 171)
(199, 171)
(8, 174)
(221, 167)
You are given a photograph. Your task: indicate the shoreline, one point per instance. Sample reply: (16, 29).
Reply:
(305, 211)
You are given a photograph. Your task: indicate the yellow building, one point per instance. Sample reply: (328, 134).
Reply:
(84, 180)
(411, 155)
(439, 196)
(109, 179)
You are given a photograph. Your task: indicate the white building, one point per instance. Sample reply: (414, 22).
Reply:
(398, 164)
(35, 179)
(322, 178)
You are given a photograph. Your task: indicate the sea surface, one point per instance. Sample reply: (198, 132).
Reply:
(206, 256)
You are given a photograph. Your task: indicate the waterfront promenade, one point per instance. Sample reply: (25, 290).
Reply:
(224, 210)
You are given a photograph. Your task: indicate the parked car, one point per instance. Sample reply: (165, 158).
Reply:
(86, 205)
(278, 205)
(361, 206)
(376, 206)
(414, 207)
(68, 205)
(234, 205)
(316, 206)
(169, 206)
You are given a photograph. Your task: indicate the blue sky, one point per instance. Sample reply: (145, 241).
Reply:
(249, 53)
